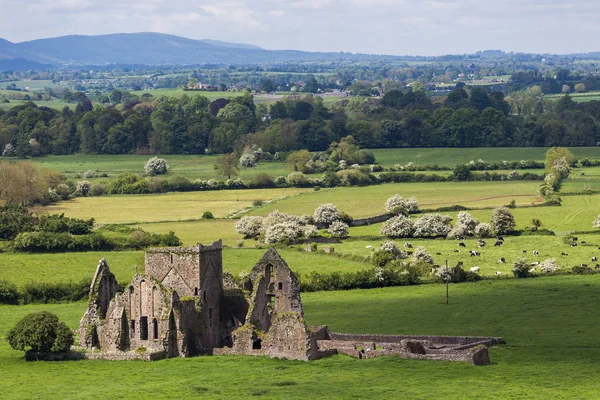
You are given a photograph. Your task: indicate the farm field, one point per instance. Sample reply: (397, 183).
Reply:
(549, 325)
(179, 92)
(34, 85)
(56, 104)
(449, 157)
(367, 201)
(176, 206)
(21, 269)
(578, 97)
(192, 167)
(577, 182)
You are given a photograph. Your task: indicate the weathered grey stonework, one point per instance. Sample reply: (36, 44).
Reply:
(184, 306)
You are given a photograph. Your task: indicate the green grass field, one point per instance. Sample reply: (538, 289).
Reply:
(179, 92)
(32, 85)
(56, 104)
(21, 269)
(449, 157)
(549, 324)
(175, 206)
(192, 167)
(577, 182)
(368, 201)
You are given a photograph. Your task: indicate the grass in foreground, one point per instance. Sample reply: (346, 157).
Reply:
(549, 324)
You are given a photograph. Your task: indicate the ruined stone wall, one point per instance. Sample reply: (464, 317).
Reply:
(446, 340)
(177, 268)
(211, 291)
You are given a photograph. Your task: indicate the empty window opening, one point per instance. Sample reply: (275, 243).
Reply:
(204, 295)
(272, 301)
(257, 344)
(195, 291)
(171, 258)
(270, 271)
(210, 313)
(154, 329)
(144, 328)
(280, 286)
(132, 328)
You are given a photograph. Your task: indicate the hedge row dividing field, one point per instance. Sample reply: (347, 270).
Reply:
(550, 325)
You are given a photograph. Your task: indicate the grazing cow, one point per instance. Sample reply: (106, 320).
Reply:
(499, 238)
(574, 245)
(438, 254)
(575, 239)
(563, 254)
(474, 253)
(583, 242)
(536, 253)
(481, 244)
(584, 265)
(597, 266)
(409, 253)
(524, 251)
(474, 269)
(369, 247)
(498, 273)
(460, 237)
(498, 243)
(457, 251)
(535, 263)
(532, 270)
(459, 264)
(461, 244)
(408, 245)
(594, 258)
(502, 260)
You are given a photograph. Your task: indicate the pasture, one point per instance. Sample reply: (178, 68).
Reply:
(549, 325)
(446, 157)
(175, 206)
(179, 92)
(22, 269)
(191, 167)
(367, 201)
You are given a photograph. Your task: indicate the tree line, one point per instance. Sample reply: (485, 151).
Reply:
(195, 125)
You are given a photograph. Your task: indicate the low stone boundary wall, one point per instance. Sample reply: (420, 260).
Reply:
(467, 341)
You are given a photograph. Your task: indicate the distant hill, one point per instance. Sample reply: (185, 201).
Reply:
(152, 49)
(21, 64)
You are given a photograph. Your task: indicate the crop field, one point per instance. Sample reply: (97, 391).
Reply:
(164, 207)
(578, 97)
(549, 324)
(367, 201)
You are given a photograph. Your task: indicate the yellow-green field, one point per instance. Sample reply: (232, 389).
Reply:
(164, 207)
(361, 202)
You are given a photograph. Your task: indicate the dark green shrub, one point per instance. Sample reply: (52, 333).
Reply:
(40, 332)
(41, 292)
(179, 183)
(262, 180)
(98, 189)
(382, 258)
(8, 293)
(58, 223)
(14, 220)
(127, 183)
(207, 215)
(257, 203)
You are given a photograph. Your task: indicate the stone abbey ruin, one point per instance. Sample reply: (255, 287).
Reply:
(184, 306)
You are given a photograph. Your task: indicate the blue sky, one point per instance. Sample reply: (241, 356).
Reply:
(414, 27)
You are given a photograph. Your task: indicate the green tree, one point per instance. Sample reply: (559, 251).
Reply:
(227, 165)
(40, 332)
(267, 86)
(297, 160)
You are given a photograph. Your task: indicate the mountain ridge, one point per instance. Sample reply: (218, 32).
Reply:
(151, 48)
